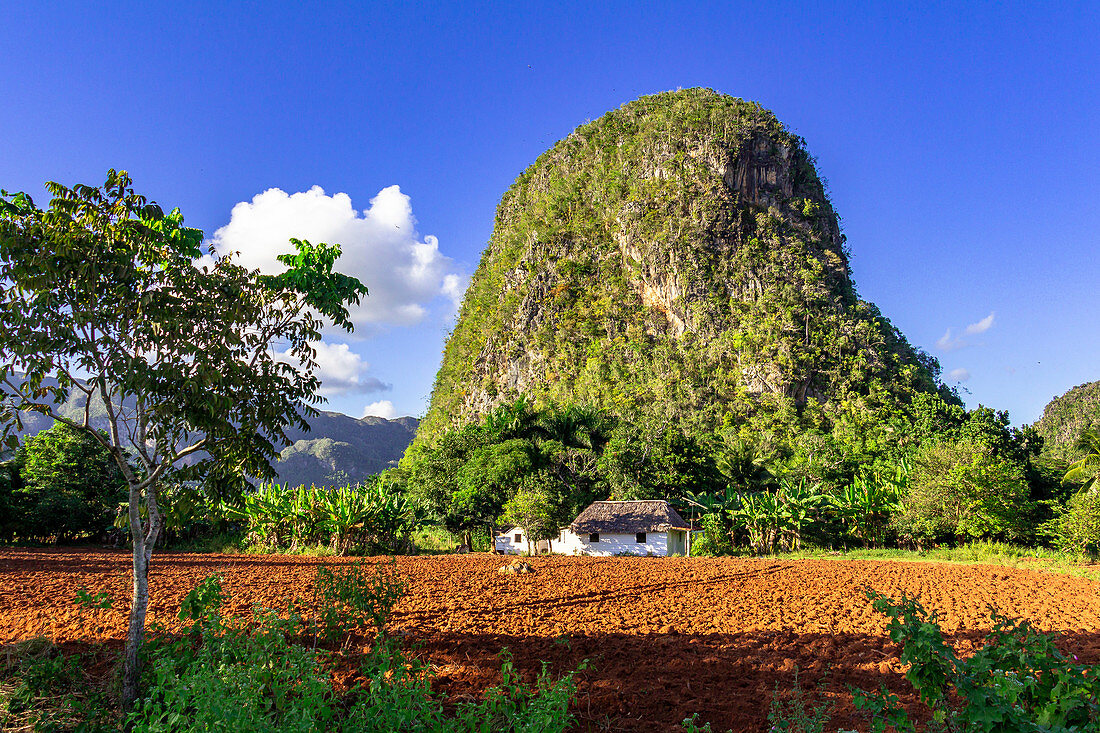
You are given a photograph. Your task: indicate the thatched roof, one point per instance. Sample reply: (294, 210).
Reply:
(627, 517)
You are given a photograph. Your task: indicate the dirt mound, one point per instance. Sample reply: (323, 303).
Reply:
(666, 637)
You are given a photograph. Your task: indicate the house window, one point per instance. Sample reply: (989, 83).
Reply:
(519, 538)
(640, 537)
(594, 537)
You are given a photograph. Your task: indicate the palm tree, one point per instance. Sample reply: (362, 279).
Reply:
(575, 427)
(744, 465)
(1088, 468)
(512, 419)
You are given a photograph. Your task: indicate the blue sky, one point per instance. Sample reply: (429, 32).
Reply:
(960, 142)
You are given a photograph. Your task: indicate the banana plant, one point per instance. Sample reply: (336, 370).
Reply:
(267, 514)
(307, 512)
(712, 503)
(798, 503)
(760, 513)
(394, 517)
(346, 513)
(180, 507)
(865, 506)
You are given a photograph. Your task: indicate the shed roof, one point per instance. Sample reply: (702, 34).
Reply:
(627, 517)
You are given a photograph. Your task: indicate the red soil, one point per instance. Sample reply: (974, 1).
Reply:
(666, 637)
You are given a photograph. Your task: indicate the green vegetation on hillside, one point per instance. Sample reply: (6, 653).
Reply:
(1067, 417)
(678, 260)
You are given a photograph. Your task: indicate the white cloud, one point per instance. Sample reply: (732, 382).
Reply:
(341, 371)
(958, 375)
(380, 246)
(981, 326)
(949, 341)
(382, 408)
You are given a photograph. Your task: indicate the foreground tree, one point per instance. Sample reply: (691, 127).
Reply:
(104, 298)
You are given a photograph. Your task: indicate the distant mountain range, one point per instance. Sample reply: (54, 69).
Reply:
(341, 449)
(338, 449)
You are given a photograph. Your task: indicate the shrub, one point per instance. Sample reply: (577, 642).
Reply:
(715, 538)
(1017, 682)
(794, 711)
(1077, 528)
(515, 706)
(960, 490)
(242, 677)
(259, 675)
(71, 485)
(351, 598)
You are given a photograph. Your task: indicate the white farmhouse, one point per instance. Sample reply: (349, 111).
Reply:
(625, 528)
(514, 541)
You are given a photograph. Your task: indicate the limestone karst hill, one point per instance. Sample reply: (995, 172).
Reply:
(677, 258)
(1067, 416)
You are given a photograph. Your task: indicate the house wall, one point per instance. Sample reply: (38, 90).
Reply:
(569, 543)
(505, 543)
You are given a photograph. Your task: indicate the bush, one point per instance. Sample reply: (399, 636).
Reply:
(351, 598)
(715, 538)
(962, 490)
(263, 675)
(794, 711)
(1077, 529)
(72, 486)
(1018, 682)
(242, 677)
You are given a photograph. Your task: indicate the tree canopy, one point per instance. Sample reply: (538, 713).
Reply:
(108, 296)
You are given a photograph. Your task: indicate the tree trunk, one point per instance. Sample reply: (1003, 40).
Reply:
(144, 539)
(135, 634)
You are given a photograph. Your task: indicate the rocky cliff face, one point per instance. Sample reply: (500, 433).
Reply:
(679, 258)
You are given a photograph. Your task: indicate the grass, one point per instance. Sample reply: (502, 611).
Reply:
(438, 540)
(987, 553)
(44, 689)
(435, 540)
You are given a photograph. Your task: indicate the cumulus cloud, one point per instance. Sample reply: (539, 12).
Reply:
(981, 326)
(958, 375)
(949, 341)
(380, 245)
(382, 408)
(341, 371)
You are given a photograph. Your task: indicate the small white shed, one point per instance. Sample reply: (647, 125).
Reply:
(513, 541)
(648, 527)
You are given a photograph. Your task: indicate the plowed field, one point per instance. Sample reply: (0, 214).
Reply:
(665, 636)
